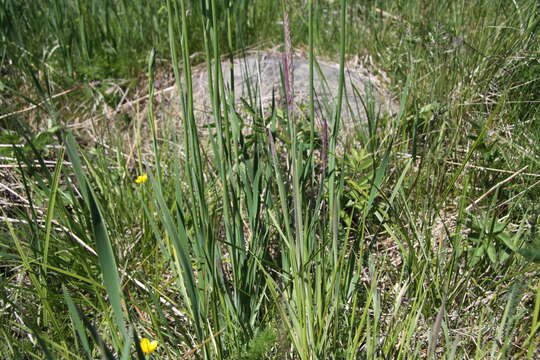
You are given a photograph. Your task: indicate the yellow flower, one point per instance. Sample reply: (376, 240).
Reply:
(141, 179)
(148, 346)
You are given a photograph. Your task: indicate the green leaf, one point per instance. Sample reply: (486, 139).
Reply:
(532, 253)
(127, 345)
(52, 202)
(107, 354)
(180, 242)
(77, 322)
(492, 254)
(377, 182)
(104, 249)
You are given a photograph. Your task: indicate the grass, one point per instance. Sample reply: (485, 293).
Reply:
(415, 236)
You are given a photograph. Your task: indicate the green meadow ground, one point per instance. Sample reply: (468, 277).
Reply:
(269, 238)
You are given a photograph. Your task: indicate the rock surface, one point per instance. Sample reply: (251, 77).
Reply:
(257, 77)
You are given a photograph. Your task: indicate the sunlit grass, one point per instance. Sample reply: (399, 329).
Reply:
(265, 238)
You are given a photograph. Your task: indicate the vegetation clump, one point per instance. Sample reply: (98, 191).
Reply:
(276, 229)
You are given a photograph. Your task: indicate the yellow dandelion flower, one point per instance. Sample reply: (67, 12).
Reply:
(148, 346)
(141, 179)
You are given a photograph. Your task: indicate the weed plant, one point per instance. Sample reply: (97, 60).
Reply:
(269, 237)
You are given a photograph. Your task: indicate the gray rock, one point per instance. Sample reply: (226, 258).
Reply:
(257, 77)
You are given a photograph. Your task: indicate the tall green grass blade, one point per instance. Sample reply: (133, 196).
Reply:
(150, 111)
(336, 118)
(77, 322)
(377, 180)
(502, 343)
(43, 345)
(51, 207)
(138, 350)
(181, 253)
(126, 349)
(105, 351)
(311, 75)
(535, 326)
(104, 249)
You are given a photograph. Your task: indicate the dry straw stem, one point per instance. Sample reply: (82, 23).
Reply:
(493, 188)
(518, 194)
(436, 331)
(35, 106)
(192, 351)
(492, 169)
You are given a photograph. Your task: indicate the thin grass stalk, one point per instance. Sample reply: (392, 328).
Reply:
(233, 236)
(193, 158)
(193, 155)
(296, 155)
(281, 188)
(202, 243)
(334, 132)
(476, 143)
(47, 317)
(245, 281)
(27, 324)
(83, 40)
(180, 242)
(77, 322)
(307, 310)
(535, 326)
(32, 218)
(150, 114)
(51, 207)
(311, 78)
(288, 66)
